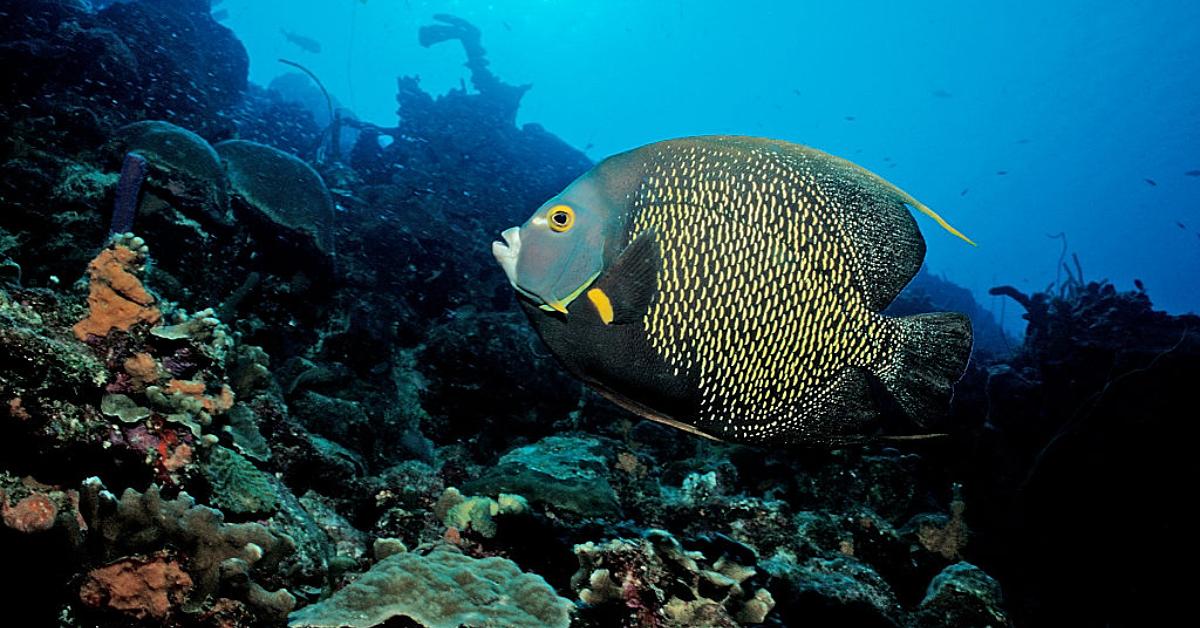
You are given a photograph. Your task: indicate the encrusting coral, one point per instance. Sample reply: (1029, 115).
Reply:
(143, 588)
(440, 588)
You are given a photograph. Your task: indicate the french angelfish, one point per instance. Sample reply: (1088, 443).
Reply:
(732, 287)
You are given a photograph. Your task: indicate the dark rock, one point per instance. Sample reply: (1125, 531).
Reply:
(482, 365)
(833, 592)
(195, 80)
(339, 420)
(564, 472)
(962, 595)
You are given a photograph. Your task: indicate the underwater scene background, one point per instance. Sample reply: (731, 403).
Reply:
(258, 365)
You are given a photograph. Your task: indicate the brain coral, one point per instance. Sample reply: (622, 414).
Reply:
(287, 199)
(180, 163)
(441, 589)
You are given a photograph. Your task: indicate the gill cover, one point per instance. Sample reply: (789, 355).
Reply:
(562, 246)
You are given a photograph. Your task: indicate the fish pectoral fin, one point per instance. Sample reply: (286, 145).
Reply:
(630, 283)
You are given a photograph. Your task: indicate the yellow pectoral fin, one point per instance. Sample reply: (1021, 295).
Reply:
(602, 304)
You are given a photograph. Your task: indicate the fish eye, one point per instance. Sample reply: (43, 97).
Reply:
(561, 218)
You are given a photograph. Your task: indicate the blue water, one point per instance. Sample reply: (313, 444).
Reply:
(1078, 103)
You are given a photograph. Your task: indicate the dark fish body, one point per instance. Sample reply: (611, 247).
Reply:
(744, 288)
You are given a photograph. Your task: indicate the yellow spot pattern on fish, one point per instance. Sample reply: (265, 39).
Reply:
(756, 298)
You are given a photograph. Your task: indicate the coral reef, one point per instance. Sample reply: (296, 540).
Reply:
(275, 430)
(655, 582)
(221, 557)
(568, 473)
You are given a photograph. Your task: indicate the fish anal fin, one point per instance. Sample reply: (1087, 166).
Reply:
(648, 413)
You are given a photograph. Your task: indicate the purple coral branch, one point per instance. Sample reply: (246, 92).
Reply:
(133, 174)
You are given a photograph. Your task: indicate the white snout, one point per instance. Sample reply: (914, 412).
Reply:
(508, 251)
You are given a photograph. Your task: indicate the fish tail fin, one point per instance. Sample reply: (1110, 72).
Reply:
(929, 356)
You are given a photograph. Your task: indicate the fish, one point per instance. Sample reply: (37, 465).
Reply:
(732, 287)
(1192, 173)
(964, 191)
(1001, 172)
(307, 44)
(1151, 182)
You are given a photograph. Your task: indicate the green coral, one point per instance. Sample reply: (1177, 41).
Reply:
(79, 182)
(237, 485)
(181, 408)
(962, 595)
(124, 408)
(567, 472)
(243, 429)
(441, 588)
(203, 329)
(477, 512)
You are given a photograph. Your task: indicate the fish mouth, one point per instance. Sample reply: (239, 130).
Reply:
(507, 253)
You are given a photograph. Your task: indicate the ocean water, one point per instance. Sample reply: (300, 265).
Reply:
(272, 352)
(1017, 121)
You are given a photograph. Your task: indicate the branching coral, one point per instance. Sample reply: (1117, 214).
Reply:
(221, 558)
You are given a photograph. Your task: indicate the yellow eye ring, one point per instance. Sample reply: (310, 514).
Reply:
(560, 218)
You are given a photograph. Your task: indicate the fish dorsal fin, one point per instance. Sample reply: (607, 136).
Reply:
(630, 284)
(876, 221)
(886, 188)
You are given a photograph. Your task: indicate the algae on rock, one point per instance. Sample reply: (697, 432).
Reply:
(568, 472)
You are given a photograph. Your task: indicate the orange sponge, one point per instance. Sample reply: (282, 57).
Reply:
(116, 299)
